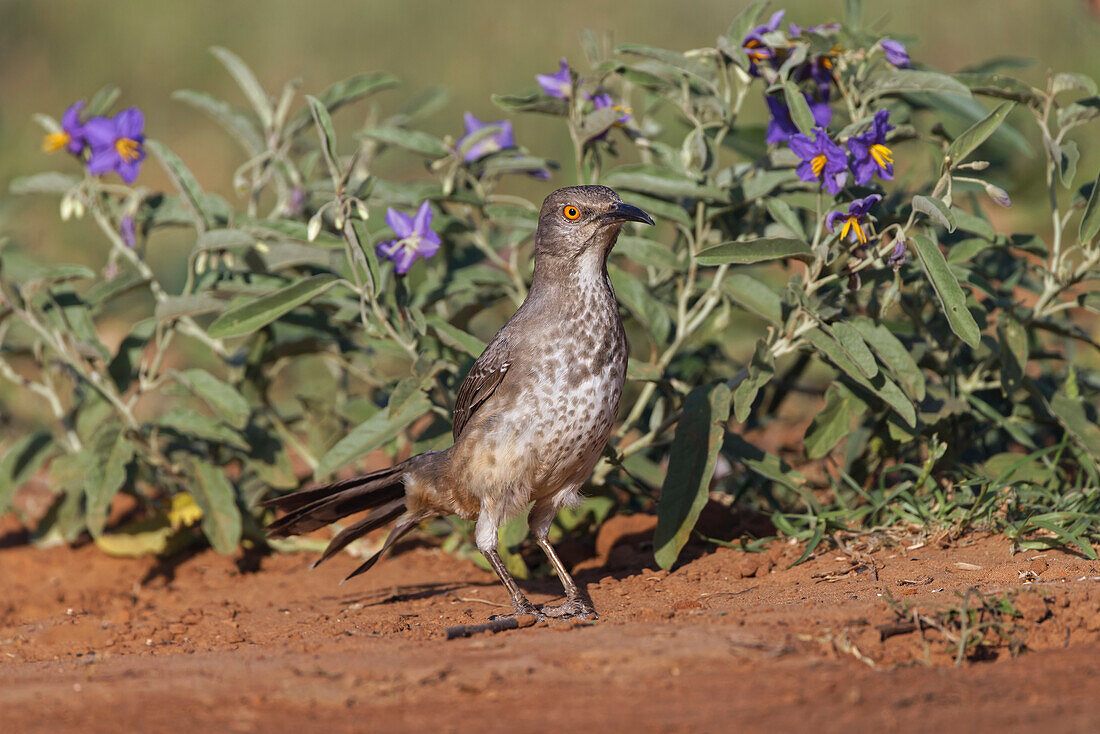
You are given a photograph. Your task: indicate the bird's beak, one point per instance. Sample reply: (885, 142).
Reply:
(626, 213)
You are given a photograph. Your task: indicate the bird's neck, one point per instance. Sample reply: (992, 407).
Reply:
(580, 278)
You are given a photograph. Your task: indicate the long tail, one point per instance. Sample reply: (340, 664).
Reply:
(382, 492)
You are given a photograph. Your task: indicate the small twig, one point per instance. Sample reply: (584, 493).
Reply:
(482, 601)
(497, 625)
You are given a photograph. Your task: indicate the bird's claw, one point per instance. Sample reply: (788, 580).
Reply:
(573, 608)
(521, 609)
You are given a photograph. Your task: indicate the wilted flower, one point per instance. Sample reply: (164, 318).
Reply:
(853, 227)
(128, 231)
(117, 143)
(869, 152)
(781, 127)
(895, 52)
(754, 46)
(822, 160)
(71, 137)
(415, 238)
(559, 84)
(897, 256)
(492, 144)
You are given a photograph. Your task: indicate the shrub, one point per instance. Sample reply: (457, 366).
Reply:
(330, 312)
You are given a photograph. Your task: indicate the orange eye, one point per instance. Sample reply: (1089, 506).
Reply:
(571, 212)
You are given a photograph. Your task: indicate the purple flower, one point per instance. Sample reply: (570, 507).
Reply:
(71, 137)
(897, 257)
(491, 144)
(781, 127)
(558, 85)
(822, 160)
(117, 144)
(415, 239)
(895, 53)
(853, 228)
(869, 152)
(127, 230)
(754, 46)
(603, 101)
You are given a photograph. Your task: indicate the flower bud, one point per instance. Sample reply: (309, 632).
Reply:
(66, 207)
(314, 227)
(998, 195)
(361, 210)
(262, 247)
(200, 263)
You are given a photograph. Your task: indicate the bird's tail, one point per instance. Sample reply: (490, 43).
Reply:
(382, 492)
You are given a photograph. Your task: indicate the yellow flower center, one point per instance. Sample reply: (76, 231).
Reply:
(127, 149)
(853, 223)
(756, 50)
(817, 164)
(55, 142)
(882, 154)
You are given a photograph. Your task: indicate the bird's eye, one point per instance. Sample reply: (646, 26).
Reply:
(571, 212)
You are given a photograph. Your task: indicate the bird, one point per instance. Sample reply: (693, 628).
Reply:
(531, 417)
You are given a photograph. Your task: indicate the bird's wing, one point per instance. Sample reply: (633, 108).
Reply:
(484, 378)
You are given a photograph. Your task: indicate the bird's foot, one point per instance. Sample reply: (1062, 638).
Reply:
(521, 607)
(573, 608)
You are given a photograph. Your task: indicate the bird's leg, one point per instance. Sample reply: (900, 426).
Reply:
(485, 534)
(519, 602)
(577, 603)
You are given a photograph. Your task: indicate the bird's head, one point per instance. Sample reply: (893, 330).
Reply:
(583, 220)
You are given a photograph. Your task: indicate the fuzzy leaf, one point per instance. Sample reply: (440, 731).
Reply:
(951, 296)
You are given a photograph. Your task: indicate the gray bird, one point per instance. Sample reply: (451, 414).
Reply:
(531, 418)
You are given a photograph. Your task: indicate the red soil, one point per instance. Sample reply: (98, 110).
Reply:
(729, 641)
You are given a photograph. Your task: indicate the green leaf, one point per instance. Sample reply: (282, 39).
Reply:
(881, 386)
(19, 268)
(894, 355)
(658, 208)
(23, 459)
(977, 134)
(952, 298)
(674, 59)
(855, 348)
(996, 85)
(761, 371)
(800, 110)
(901, 81)
(635, 295)
(174, 307)
(782, 213)
(44, 183)
(455, 337)
(754, 296)
(642, 371)
(936, 209)
(183, 179)
(1068, 155)
(645, 251)
(189, 423)
(1014, 351)
(248, 83)
(754, 251)
(249, 317)
(833, 423)
(1090, 220)
(343, 93)
(326, 133)
(662, 182)
(691, 463)
(101, 101)
(1066, 82)
(235, 122)
(123, 368)
(223, 239)
(372, 433)
(414, 140)
(967, 222)
(112, 451)
(222, 398)
(221, 518)
(1070, 412)
(532, 103)
(761, 462)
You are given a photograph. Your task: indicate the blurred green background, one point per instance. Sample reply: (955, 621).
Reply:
(53, 52)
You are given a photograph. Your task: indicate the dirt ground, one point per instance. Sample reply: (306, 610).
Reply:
(855, 639)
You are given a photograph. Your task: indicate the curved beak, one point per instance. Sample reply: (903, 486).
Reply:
(626, 213)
